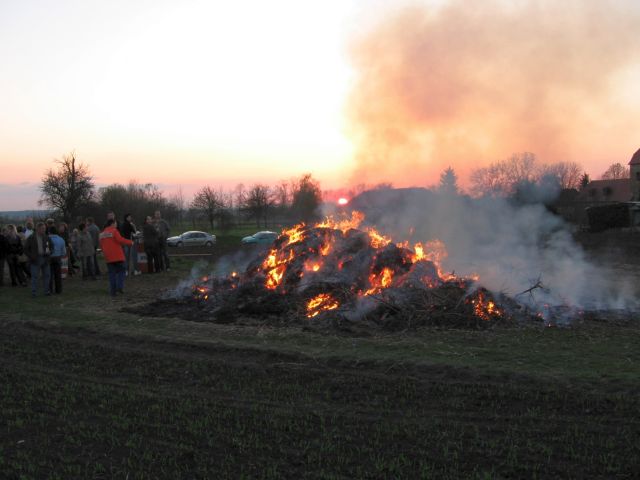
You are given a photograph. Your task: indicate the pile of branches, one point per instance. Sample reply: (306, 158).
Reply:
(277, 288)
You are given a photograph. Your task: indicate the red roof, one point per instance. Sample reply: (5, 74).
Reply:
(635, 160)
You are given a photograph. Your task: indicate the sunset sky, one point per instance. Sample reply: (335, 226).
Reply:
(188, 93)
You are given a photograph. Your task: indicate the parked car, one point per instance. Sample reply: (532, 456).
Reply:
(192, 239)
(260, 238)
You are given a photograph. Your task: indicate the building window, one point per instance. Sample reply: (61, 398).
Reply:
(638, 175)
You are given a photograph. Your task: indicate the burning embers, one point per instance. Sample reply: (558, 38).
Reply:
(335, 271)
(321, 303)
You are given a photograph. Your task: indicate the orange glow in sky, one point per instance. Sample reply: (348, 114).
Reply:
(186, 94)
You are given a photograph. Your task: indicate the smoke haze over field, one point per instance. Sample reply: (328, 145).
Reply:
(472, 82)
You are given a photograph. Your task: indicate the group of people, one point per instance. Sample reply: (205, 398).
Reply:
(37, 252)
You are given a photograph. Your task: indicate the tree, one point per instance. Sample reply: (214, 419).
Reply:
(178, 200)
(68, 188)
(502, 178)
(448, 182)
(567, 174)
(257, 203)
(584, 180)
(306, 198)
(208, 202)
(616, 171)
(137, 199)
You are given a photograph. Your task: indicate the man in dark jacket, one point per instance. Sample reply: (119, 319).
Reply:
(150, 240)
(15, 251)
(128, 231)
(38, 249)
(163, 233)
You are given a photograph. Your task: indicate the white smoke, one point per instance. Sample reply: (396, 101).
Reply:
(511, 247)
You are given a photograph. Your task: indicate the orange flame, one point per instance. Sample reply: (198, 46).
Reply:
(295, 233)
(343, 224)
(380, 281)
(275, 268)
(376, 239)
(485, 309)
(321, 303)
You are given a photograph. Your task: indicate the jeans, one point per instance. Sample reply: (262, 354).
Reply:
(131, 257)
(41, 265)
(56, 275)
(116, 277)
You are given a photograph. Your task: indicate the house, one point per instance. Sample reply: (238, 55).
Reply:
(597, 191)
(634, 183)
(573, 205)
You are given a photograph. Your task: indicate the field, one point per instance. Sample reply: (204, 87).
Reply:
(89, 391)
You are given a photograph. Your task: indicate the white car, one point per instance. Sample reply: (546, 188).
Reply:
(192, 239)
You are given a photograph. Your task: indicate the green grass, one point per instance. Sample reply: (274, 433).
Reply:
(88, 391)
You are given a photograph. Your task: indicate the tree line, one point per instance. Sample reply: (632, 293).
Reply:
(69, 189)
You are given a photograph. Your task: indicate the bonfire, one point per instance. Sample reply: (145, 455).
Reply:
(338, 273)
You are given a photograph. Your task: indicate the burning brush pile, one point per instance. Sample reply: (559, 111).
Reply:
(336, 275)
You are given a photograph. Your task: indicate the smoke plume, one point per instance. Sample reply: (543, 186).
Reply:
(510, 247)
(472, 82)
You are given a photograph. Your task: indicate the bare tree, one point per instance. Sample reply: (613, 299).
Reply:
(568, 174)
(490, 181)
(68, 188)
(616, 171)
(257, 203)
(208, 202)
(179, 201)
(282, 194)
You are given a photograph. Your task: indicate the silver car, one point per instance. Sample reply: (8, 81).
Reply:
(192, 239)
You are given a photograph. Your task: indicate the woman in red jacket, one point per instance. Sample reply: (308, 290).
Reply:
(111, 243)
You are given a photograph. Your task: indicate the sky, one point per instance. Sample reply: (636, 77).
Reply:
(192, 93)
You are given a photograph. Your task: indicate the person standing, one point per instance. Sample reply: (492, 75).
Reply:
(58, 252)
(15, 251)
(38, 249)
(23, 260)
(63, 231)
(163, 233)
(4, 253)
(111, 243)
(128, 231)
(86, 252)
(94, 231)
(28, 228)
(150, 239)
